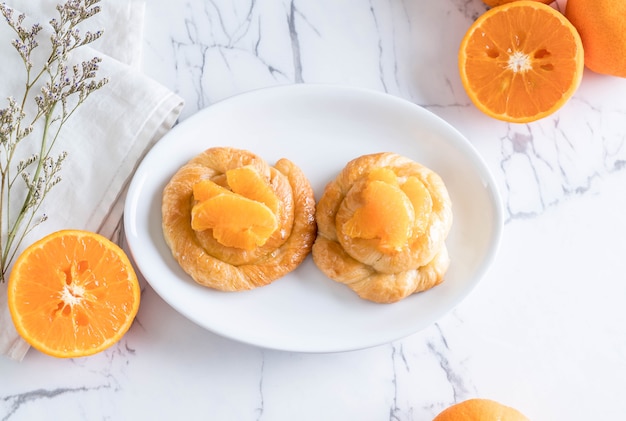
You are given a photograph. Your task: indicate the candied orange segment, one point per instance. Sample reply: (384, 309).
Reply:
(383, 174)
(206, 189)
(422, 203)
(387, 213)
(236, 220)
(241, 215)
(247, 182)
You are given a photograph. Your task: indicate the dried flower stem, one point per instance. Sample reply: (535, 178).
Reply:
(62, 89)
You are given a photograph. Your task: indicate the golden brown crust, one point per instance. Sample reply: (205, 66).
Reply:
(228, 268)
(359, 263)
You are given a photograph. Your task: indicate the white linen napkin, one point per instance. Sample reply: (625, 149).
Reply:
(106, 137)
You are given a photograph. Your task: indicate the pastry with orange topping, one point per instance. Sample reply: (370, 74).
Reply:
(382, 225)
(233, 222)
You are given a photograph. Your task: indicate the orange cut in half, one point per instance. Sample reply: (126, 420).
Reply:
(72, 294)
(521, 61)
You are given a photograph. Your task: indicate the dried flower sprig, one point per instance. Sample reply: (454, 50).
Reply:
(62, 87)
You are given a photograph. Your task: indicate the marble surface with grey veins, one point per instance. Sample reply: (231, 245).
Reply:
(544, 329)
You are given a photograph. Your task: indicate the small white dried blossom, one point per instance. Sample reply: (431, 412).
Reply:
(58, 88)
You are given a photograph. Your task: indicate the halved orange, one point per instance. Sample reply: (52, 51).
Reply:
(521, 61)
(73, 293)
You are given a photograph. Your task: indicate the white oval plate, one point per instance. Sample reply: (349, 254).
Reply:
(320, 128)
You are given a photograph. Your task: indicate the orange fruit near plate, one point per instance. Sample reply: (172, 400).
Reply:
(521, 61)
(602, 28)
(495, 3)
(73, 293)
(480, 410)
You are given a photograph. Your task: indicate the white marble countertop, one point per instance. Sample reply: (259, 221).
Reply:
(543, 331)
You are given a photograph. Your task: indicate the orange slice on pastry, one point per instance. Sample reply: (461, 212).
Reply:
(233, 222)
(236, 221)
(386, 213)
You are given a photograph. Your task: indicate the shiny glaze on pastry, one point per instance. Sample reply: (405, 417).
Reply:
(377, 270)
(228, 268)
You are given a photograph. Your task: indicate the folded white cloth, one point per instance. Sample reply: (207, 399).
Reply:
(106, 137)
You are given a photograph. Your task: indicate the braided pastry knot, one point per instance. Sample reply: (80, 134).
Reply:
(382, 225)
(233, 222)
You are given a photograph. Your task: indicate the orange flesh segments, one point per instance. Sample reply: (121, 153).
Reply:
(244, 216)
(390, 211)
(247, 182)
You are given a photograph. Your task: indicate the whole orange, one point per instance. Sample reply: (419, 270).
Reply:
(602, 28)
(480, 409)
(494, 3)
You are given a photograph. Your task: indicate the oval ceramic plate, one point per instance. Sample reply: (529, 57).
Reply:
(320, 128)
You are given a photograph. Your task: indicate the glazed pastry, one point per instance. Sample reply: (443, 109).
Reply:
(233, 222)
(382, 225)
